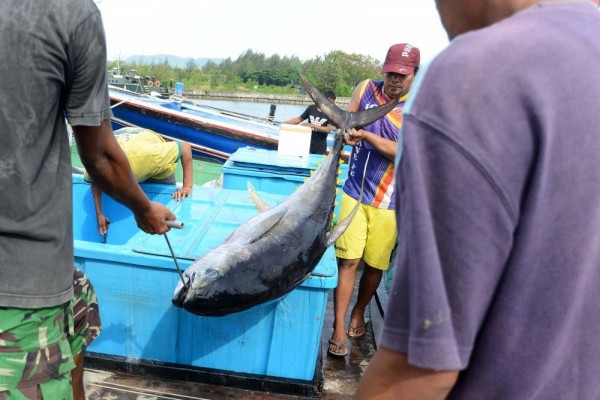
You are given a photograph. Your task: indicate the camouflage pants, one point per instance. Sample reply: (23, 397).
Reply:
(37, 345)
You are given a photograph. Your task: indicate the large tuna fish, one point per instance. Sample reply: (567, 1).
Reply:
(272, 253)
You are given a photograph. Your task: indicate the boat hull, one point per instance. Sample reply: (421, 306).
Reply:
(211, 133)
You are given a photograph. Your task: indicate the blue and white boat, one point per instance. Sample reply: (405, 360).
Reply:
(212, 132)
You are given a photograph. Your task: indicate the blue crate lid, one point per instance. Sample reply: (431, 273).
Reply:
(209, 217)
(271, 161)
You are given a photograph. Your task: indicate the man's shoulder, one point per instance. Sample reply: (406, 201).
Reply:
(374, 84)
(312, 108)
(370, 86)
(66, 17)
(69, 13)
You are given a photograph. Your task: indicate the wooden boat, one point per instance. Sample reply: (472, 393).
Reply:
(213, 133)
(137, 83)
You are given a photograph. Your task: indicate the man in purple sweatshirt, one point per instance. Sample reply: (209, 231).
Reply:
(495, 293)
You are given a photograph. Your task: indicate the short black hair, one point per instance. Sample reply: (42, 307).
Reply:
(329, 94)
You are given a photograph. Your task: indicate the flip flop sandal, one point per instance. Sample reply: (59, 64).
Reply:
(338, 352)
(361, 328)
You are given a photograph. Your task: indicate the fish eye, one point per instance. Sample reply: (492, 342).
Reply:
(211, 274)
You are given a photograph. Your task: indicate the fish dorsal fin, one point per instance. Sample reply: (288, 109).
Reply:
(260, 205)
(253, 231)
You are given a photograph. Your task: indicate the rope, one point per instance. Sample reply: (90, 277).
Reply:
(118, 104)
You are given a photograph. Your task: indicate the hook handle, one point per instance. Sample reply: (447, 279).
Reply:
(175, 224)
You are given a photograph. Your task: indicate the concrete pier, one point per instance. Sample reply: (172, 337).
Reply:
(257, 97)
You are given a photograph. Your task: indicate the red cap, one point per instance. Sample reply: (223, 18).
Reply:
(402, 59)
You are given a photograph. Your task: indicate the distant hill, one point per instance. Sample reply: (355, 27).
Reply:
(174, 61)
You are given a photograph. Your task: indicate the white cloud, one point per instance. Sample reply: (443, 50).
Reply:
(308, 28)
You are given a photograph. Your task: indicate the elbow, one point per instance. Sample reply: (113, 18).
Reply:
(94, 164)
(186, 149)
(442, 382)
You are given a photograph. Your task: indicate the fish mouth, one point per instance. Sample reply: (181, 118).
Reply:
(180, 295)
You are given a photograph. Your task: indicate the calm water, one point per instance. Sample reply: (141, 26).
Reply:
(283, 112)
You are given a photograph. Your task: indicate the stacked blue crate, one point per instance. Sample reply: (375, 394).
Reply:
(134, 276)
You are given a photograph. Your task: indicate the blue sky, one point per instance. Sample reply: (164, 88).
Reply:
(307, 28)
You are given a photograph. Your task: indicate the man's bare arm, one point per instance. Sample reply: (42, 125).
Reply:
(389, 376)
(109, 168)
(384, 146)
(188, 172)
(103, 222)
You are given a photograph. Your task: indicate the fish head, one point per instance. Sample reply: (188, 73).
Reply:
(208, 279)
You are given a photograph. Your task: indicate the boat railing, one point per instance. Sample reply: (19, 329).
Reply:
(229, 113)
(190, 104)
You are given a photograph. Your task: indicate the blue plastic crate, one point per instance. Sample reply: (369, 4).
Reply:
(271, 172)
(135, 276)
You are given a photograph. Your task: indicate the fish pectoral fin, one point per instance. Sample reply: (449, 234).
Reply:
(260, 205)
(266, 225)
(336, 232)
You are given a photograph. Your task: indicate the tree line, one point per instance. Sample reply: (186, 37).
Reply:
(254, 72)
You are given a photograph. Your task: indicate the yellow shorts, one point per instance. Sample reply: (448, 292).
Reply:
(371, 235)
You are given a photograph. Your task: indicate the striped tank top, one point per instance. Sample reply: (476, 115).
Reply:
(380, 176)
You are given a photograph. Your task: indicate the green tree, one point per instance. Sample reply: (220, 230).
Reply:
(190, 66)
(252, 71)
(216, 79)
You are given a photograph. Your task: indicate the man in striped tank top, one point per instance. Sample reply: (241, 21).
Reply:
(371, 236)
